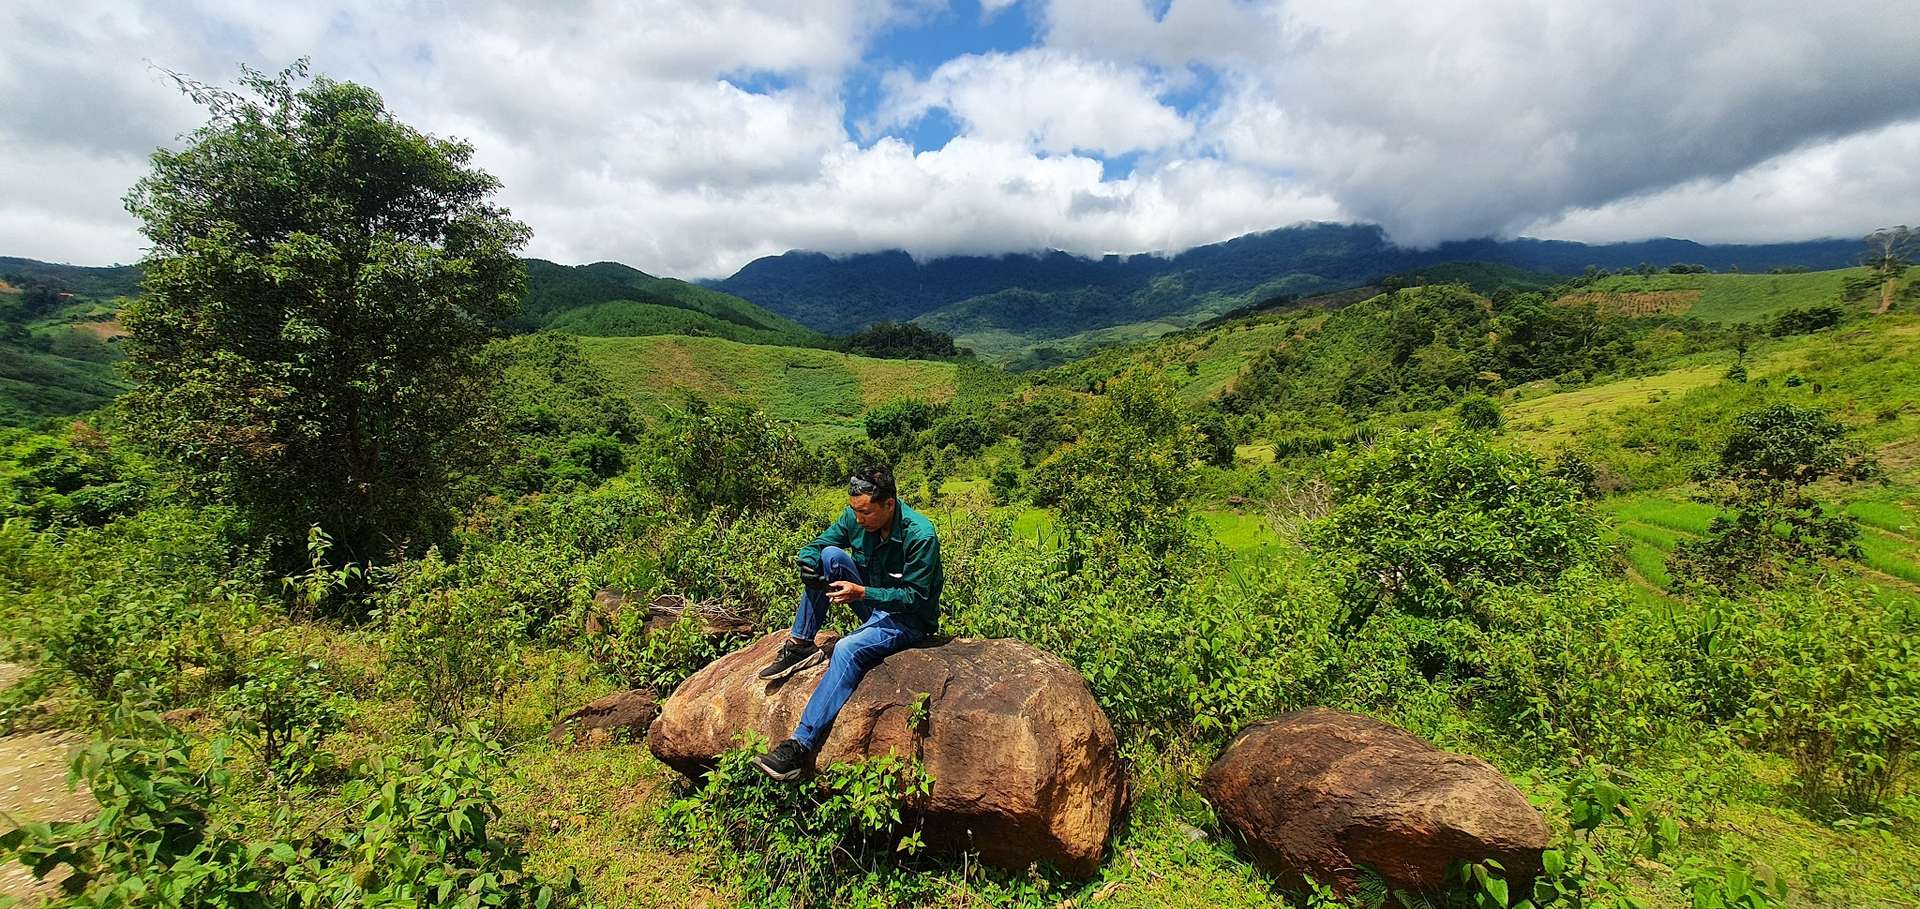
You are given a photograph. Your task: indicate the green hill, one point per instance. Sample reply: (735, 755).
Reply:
(58, 337)
(58, 340)
(824, 391)
(607, 299)
(1734, 297)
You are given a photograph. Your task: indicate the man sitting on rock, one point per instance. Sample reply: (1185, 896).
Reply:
(882, 559)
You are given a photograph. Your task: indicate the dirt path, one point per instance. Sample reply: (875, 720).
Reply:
(33, 787)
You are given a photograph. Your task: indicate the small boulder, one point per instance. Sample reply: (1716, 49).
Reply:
(609, 605)
(1320, 793)
(619, 717)
(1025, 765)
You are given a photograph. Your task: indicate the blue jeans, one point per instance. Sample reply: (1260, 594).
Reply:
(879, 636)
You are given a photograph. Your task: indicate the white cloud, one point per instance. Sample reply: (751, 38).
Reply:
(1818, 191)
(687, 138)
(1465, 119)
(1049, 100)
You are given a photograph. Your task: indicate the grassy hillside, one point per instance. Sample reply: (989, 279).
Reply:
(826, 392)
(58, 337)
(1731, 297)
(608, 299)
(58, 346)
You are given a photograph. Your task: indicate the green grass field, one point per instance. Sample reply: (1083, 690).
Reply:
(1736, 298)
(823, 391)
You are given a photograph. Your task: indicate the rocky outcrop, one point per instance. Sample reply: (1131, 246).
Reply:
(619, 717)
(1321, 793)
(609, 605)
(1024, 763)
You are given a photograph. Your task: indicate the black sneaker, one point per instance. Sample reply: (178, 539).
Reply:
(793, 657)
(786, 761)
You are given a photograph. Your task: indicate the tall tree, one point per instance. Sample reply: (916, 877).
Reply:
(321, 282)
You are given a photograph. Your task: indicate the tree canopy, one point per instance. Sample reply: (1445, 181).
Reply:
(321, 282)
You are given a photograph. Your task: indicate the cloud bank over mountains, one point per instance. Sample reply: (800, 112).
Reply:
(689, 138)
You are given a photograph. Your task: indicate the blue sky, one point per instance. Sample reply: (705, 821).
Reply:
(687, 138)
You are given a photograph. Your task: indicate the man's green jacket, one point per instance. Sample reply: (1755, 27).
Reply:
(901, 570)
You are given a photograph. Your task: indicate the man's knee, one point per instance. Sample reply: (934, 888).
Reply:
(834, 560)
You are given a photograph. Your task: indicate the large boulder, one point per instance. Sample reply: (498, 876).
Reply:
(1321, 793)
(1025, 766)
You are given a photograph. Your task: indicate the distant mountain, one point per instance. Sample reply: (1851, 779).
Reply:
(1003, 304)
(102, 283)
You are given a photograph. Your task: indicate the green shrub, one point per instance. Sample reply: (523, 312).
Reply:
(663, 657)
(731, 457)
(1426, 521)
(1174, 649)
(1479, 412)
(745, 564)
(1610, 832)
(1583, 665)
(1761, 477)
(283, 707)
(452, 649)
(1836, 688)
(158, 599)
(152, 843)
(428, 834)
(832, 841)
(1127, 480)
(79, 478)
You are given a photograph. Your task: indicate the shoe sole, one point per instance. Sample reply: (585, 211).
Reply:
(777, 775)
(810, 660)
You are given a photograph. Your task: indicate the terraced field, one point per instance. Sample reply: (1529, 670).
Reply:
(1651, 525)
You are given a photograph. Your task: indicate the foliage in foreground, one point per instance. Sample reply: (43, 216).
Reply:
(838, 839)
(420, 833)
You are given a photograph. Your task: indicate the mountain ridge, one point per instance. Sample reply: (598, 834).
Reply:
(1007, 305)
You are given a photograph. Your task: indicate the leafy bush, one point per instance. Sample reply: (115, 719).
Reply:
(158, 599)
(831, 841)
(1761, 476)
(1427, 521)
(283, 708)
(1806, 320)
(1126, 481)
(1836, 687)
(80, 478)
(746, 564)
(1173, 649)
(1583, 871)
(451, 649)
(1581, 667)
(1479, 412)
(663, 657)
(428, 834)
(152, 841)
(899, 421)
(731, 457)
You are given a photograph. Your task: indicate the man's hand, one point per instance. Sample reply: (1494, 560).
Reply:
(845, 592)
